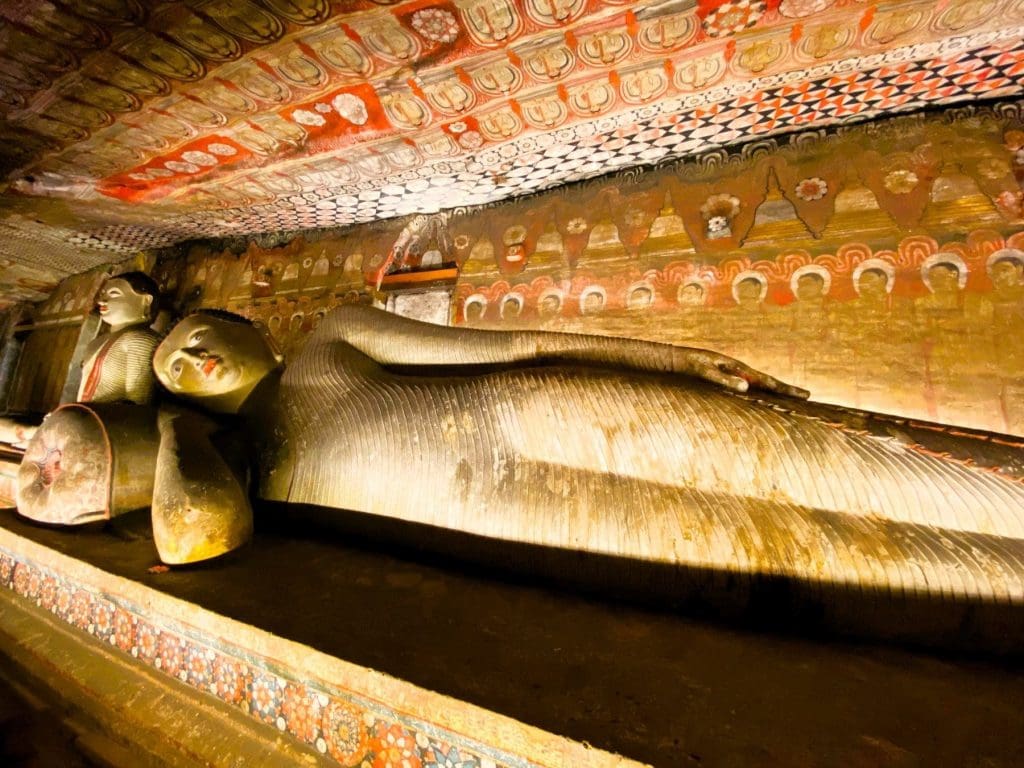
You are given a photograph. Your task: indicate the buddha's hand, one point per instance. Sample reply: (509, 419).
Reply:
(730, 372)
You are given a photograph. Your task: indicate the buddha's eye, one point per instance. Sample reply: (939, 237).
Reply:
(196, 337)
(176, 368)
(113, 293)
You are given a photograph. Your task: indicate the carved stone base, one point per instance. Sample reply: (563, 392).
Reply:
(131, 714)
(171, 683)
(454, 639)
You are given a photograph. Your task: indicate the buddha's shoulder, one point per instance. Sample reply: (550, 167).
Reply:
(138, 338)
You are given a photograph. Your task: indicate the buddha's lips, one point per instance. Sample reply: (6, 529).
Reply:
(209, 365)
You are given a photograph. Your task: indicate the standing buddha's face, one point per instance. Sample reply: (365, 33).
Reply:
(691, 295)
(872, 284)
(748, 292)
(120, 305)
(214, 360)
(550, 305)
(1006, 273)
(809, 287)
(945, 279)
(593, 302)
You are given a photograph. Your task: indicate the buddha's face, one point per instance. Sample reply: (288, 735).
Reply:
(691, 295)
(1007, 273)
(748, 291)
(872, 284)
(945, 278)
(550, 305)
(212, 359)
(809, 287)
(640, 298)
(119, 304)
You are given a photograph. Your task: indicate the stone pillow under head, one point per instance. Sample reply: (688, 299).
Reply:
(89, 462)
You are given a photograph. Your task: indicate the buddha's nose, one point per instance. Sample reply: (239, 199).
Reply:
(195, 354)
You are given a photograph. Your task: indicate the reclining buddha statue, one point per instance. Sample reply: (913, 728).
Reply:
(628, 449)
(641, 452)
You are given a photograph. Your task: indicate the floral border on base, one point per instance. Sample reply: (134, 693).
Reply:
(340, 725)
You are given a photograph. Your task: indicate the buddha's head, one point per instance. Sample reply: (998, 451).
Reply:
(872, 284)
(810, 287)
(749, 292)
(215, 358)
(873, 280)
(944, 278)
(550, 304)
(511, 307)
(128, 299)
(474, 308)
(1007, 273)
(691, 294)
(591, 301)
(640, 298)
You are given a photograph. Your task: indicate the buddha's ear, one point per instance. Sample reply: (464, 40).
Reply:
(268, 337)
(275, 350)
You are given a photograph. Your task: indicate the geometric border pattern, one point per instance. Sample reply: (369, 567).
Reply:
(349, 729)
(901, 80)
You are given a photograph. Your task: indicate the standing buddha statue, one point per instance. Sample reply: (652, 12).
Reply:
(118, 366)
(73, 460)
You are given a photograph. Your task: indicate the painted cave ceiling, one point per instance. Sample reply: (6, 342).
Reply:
(129, 124)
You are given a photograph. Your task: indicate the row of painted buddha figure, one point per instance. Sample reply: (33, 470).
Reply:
(943, 274)
(952, 354)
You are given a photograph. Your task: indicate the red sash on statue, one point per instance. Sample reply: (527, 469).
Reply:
(93, 381)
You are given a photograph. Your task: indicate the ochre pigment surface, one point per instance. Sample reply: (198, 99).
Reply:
(655, 686)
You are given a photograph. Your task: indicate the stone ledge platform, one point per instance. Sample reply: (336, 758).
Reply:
(311, 647)
(172, 683)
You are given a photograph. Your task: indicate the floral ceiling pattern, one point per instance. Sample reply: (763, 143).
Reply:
(130, 124)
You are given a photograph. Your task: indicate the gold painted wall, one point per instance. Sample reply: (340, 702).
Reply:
(819, 262)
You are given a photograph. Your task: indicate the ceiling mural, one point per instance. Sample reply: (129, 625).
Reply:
(130, 124)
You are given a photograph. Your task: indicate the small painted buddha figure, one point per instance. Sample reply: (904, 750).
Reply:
(118, 365)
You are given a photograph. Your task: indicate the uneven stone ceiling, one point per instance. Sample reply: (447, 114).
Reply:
(129, 124)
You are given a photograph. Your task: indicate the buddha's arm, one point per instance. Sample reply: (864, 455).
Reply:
(394, 340)
(200, 506)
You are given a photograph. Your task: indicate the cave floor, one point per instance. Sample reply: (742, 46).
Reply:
(660, 687)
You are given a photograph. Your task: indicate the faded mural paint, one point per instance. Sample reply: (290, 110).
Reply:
(134, 125)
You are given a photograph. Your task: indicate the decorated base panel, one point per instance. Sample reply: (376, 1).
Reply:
(653, 684)
(350, 715)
